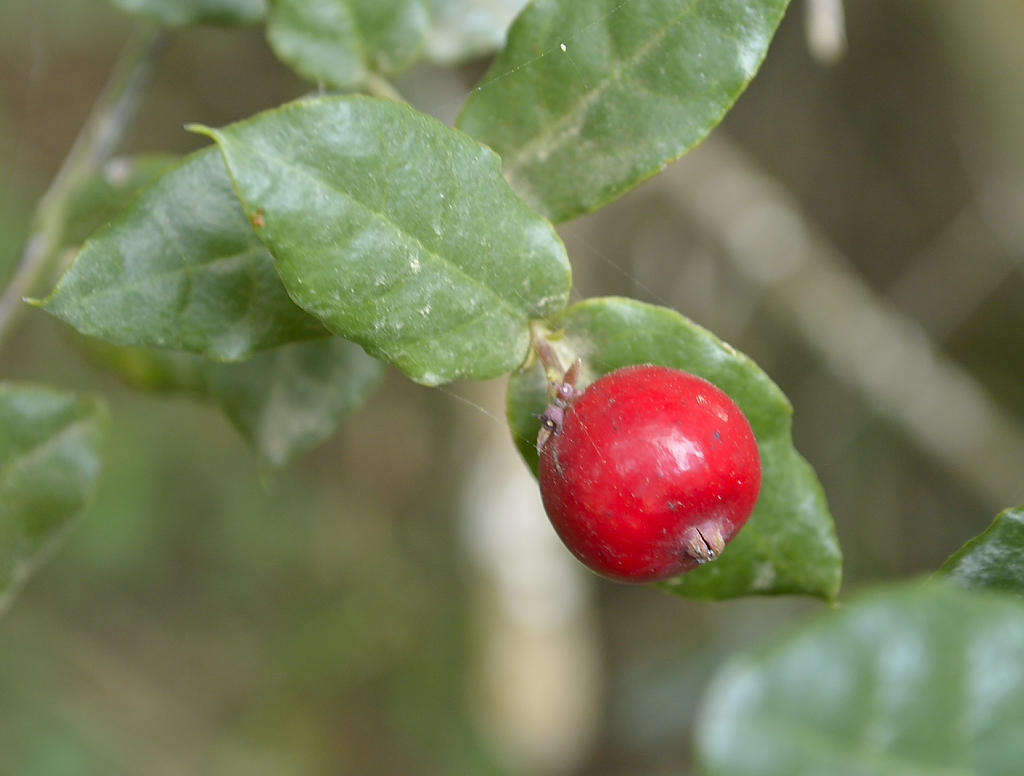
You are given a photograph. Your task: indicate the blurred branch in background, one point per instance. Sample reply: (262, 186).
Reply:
(96, 143)
(944, 284)
(860, 337)
(947, 281)
(825, 27)
(539, 673)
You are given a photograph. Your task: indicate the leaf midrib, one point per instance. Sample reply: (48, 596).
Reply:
(518, 313)
(78, 300)
(530, 147)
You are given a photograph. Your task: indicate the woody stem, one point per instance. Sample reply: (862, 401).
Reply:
(547, 354)
(97, 140)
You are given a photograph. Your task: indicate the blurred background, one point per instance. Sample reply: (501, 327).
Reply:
(395, 602)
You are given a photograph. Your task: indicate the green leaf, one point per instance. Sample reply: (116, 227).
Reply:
(291, 399)
(150, 369)
(181, 268)
(181, 12)
(588, 99)
(341, 41)
(49, 462)
(398, 233)
(994, 559)
(283, 402)
(463, 29)
(101, 197)
(789, 545)
(913, 681)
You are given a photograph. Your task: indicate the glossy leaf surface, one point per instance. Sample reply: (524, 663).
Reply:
(340, 41)
(49, 462)
(101, 197)
(922, 681)
(588, 99)
(181, 268)
(789, 545)
(993, 559)
(398, 233)
(284, 401)
(182, 12)
(462, 29)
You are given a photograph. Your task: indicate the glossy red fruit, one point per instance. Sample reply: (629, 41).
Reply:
(648, 473)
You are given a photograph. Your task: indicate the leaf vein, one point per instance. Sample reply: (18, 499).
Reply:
(560, 131)
(518, 312)
(141, 282)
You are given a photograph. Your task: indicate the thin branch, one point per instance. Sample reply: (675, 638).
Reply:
(825, 27)
(377, 85)
(96, 142)
(549, 358)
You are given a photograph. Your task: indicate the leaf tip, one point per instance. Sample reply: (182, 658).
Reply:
(45, 303)
(202, 129)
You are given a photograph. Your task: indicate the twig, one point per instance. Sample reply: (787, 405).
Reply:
(96, 142)
(377, 85)
(825, 26)
(547, 354)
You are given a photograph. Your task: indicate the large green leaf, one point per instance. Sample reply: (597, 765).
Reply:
(49, 461)
(995, 558)
(181, 268)
(918, 681)
(588, 99)
(399, 233)
(789, 545)
(101, 197)
(182, 12)
(284, 401)
(461, 29)
(341, 41)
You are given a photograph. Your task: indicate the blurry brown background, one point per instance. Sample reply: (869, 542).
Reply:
(858, 229)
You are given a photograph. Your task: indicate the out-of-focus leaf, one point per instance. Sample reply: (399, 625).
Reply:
(150, 369)
(993, 559)
(101, 197)
(789, 545)
(181, 12)
(290, 399)
(341, 41)
(919, 680)
(462, 29)
(588, 99)
(181, 268)
(398, 233)
(49, 461)
(284, 401)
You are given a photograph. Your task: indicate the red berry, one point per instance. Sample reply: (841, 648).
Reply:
(650, 472)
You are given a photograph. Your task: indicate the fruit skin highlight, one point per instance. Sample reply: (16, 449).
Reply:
(648, 473)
